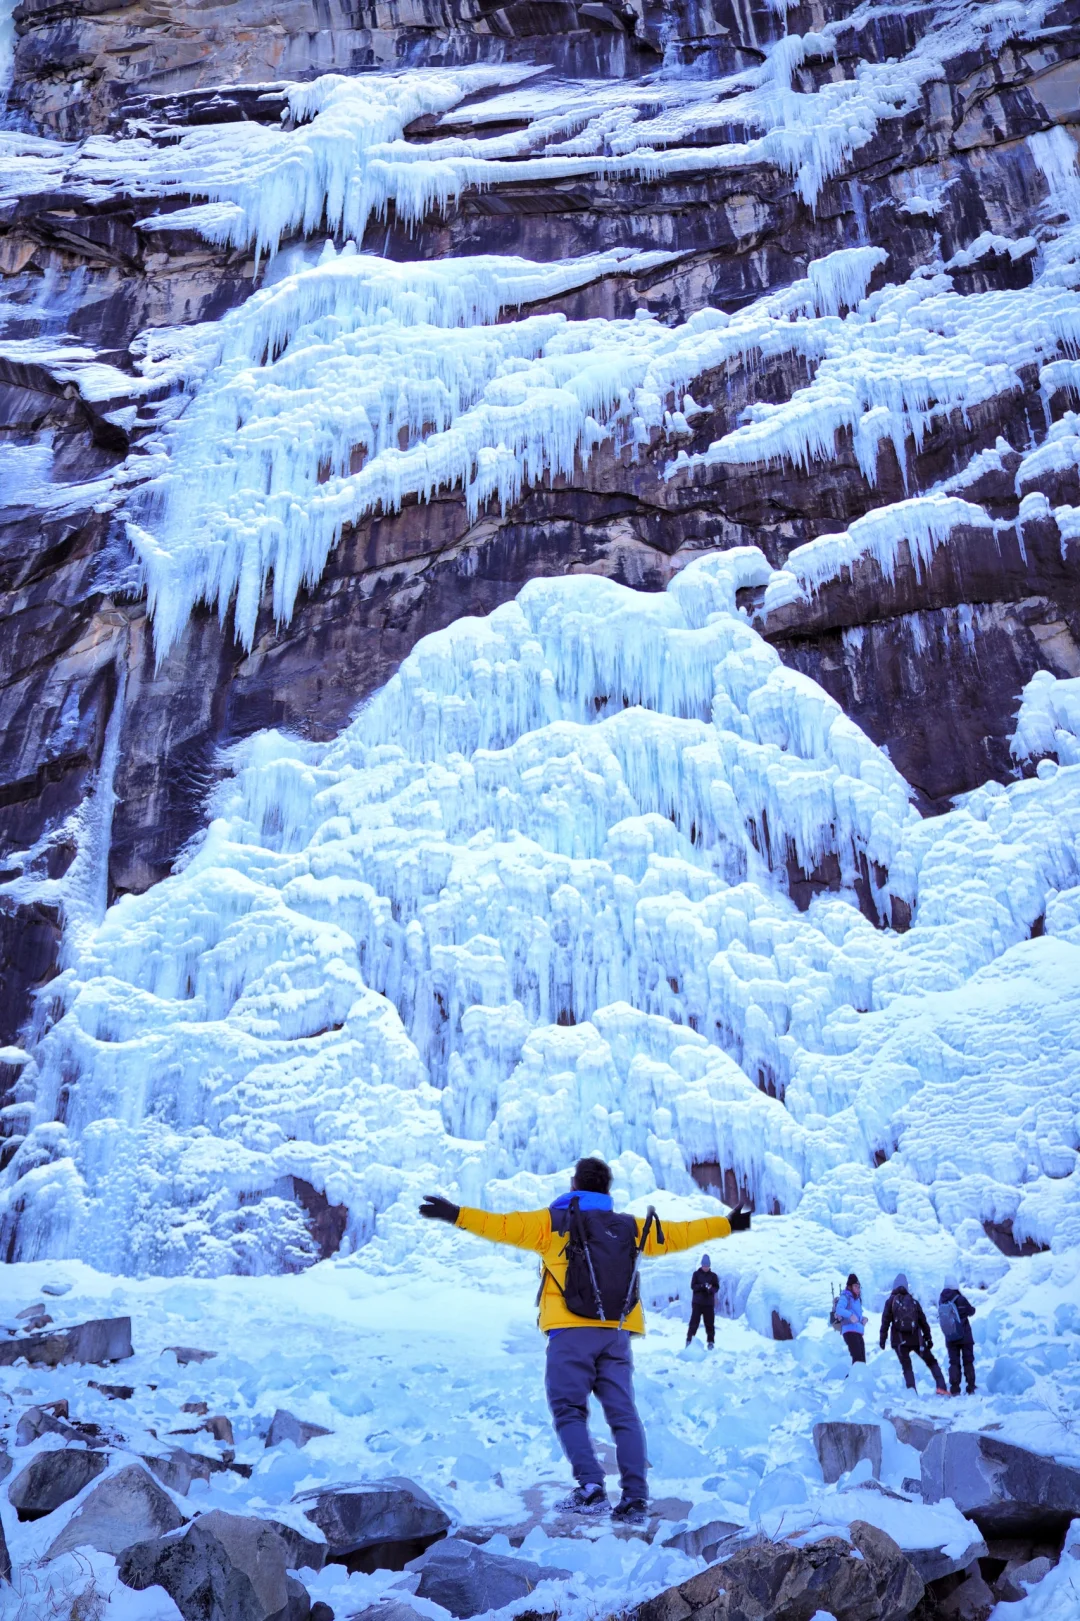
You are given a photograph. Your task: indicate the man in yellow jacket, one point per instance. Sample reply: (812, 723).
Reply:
(589, 1355)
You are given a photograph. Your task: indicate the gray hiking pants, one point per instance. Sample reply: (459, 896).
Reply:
(584, 1362)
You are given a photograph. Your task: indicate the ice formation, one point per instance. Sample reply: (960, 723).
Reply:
(538, 897)
(532, 903)
(352, 384)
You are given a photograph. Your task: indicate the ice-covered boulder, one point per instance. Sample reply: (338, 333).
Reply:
(914, 1430)
(53, 1478)
(705, 1540)
(222, 1567)
(386, 1610)
(5, 1462)
(840, 1446)
(869, 1581)
(124, 1508)
(177, 1468)
(284, 1426)
(377, 1523)
(1004, 1488)
(467, 1580)
(104, 1339)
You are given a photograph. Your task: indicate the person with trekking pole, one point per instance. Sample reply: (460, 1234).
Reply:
(589, 1307)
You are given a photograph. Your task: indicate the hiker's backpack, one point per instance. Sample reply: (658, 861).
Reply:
(602, 1255)
(952, 1324)
(834, 1320)
(905, 1316)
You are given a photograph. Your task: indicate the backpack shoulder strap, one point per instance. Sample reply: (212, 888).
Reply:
(651, 1220)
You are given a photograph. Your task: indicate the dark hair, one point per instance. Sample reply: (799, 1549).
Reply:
(852, 1279)
(592, 1176)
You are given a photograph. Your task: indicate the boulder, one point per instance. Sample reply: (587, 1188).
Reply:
(302, 1550)
(467, 1580)
(934, 1563)
(703, 1540)
(5, 1557)
(51, 1418)
(386, 1610)
(914, 1431)
(189, 1353)
(899, 1587)
(53, 1478)
(5, 1461)
(1019, 1575)
(870, 1581)
(113, 1392)
(971, 1601)
(285, 1427)
(375, 1524)
(840, 1446)
(1005, 1489)
(177, 1468)
(124, 1508)
(105, 1339)
(221, 1567)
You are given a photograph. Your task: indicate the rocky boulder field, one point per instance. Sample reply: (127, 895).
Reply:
(414, 1475)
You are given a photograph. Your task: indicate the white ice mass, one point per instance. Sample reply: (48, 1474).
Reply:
(536, 899)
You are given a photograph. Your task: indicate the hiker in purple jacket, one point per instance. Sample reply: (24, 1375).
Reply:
(905, 1322)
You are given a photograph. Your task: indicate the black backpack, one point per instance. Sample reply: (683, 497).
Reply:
(905, 1316)
(602, 1255)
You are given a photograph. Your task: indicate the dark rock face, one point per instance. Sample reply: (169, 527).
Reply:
(53, 1478)
(1005, 1489)
(5, 1558)
(106, 1339)
(467, 1580)
(128, 1507)
(375, 1524)
(223, 1567)
(841, 1446)
(791, 1584)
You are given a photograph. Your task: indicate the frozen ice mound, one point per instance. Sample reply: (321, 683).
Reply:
(533, 902)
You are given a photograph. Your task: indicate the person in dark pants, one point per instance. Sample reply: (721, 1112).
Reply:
(905, 1321)
(954, 1314)
(588, 1355)
(703, 1287)
(852, 1318)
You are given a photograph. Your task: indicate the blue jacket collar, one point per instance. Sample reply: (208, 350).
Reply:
(587, 1201)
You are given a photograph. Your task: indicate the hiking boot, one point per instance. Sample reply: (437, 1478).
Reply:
(941, 1391)
(584, 1500)
(631, 1511)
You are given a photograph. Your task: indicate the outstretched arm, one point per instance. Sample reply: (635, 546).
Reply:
(886, 1321)
(683, 1235)
(524, 1229)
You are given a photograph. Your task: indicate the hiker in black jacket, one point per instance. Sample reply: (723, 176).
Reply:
(910, 1333)
(703, 1287)
(954, 1314)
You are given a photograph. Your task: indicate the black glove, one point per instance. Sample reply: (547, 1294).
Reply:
(439, 1209)
(739, 1220)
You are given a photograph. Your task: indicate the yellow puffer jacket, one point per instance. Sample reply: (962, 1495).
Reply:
(531, 1230)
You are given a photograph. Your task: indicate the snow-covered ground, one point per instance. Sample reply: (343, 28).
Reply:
(434, 1371)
